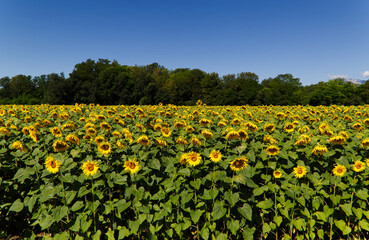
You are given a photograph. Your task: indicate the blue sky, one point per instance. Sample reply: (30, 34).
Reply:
(313, 40)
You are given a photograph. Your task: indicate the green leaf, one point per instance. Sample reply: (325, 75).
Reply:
(234, 226)
(77, 206)
(246, 211)
(221, 236)
(266, 228)
(120, 180)
(85, 224)
(205, 233)
(74, 152)
(17, 206)
(123, 232)
(184, 172)
(265, 204)
(195, 215)
(97, 235)
(154, 164)
(59, 212)
(358, 212)
(278, 220)
(299, 224)
(232, 198)
(196, 184)
(218, 211)
(321, 216)
(260, 190)
(61, 236)
(213, 193)
(342, 226)
(347, 209)
(363, 194)
(248, 233)
(45, 221)
(364, 225)
(31, 202)
(187, 198)
(110, 234)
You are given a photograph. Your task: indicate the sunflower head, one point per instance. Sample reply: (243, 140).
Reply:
(207, 133)
(269, 127)
(299, 171)
(215, 155)
(60, 146)
(339, 170)
(90, 168)
(193, 158)
(239, 164)
(132, 166)
(143, 140)
(52, 165)
(72, 138)
(277, 173)
(319, 150)
(358, 166)
(195, 141)
(272, 150)
(104, 148)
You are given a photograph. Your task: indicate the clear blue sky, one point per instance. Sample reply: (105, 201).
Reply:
(313, 40)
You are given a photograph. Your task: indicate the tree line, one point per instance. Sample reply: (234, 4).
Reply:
(109, 83)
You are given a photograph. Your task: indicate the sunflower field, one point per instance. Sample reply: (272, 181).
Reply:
(184, 172)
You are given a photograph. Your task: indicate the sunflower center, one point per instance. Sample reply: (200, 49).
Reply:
(90, 167)
(300, 171)
(238, 163)
(132, 165)
(339, 170)
(105, 147)
(53, 164)
(215, 155)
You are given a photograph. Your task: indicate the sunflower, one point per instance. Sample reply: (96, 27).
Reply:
(5, 131)
(106, 126)
(365, 143)
(232, 135)
(193, 158)
(207, 133)
(120, 144)
(277, 173)
(90, 168)
(180, 124)
(91, 131)
(357, 126)
(116, 134)
(132, 166)
(343, 134)
(222, 124)
(358, 166)
(181, 141)
(269, 139)
(299, 171)
(304, 129)
(157, 127)
(143, 140)
(252, 126)
(183, 159)
(72, 138)
(52, 165)
(337, 140)
(33, 136)
(272, 150)
(319, 150)
(19, 146)
(104, 148)
(239, 164)
(60, 146)
(215, 155)
(339, 170)
(195, 141)
(160, 142)
(165, 131)
(269, 127)
(289, 127)
(243, 134)
(205, 122)
(99, 139)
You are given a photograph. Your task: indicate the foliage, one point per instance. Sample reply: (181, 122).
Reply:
(109, 83)
(90, 171)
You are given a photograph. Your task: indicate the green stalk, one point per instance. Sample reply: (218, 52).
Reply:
(331, 223)
(65, 201)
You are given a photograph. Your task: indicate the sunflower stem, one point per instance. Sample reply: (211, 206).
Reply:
(93, 201)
